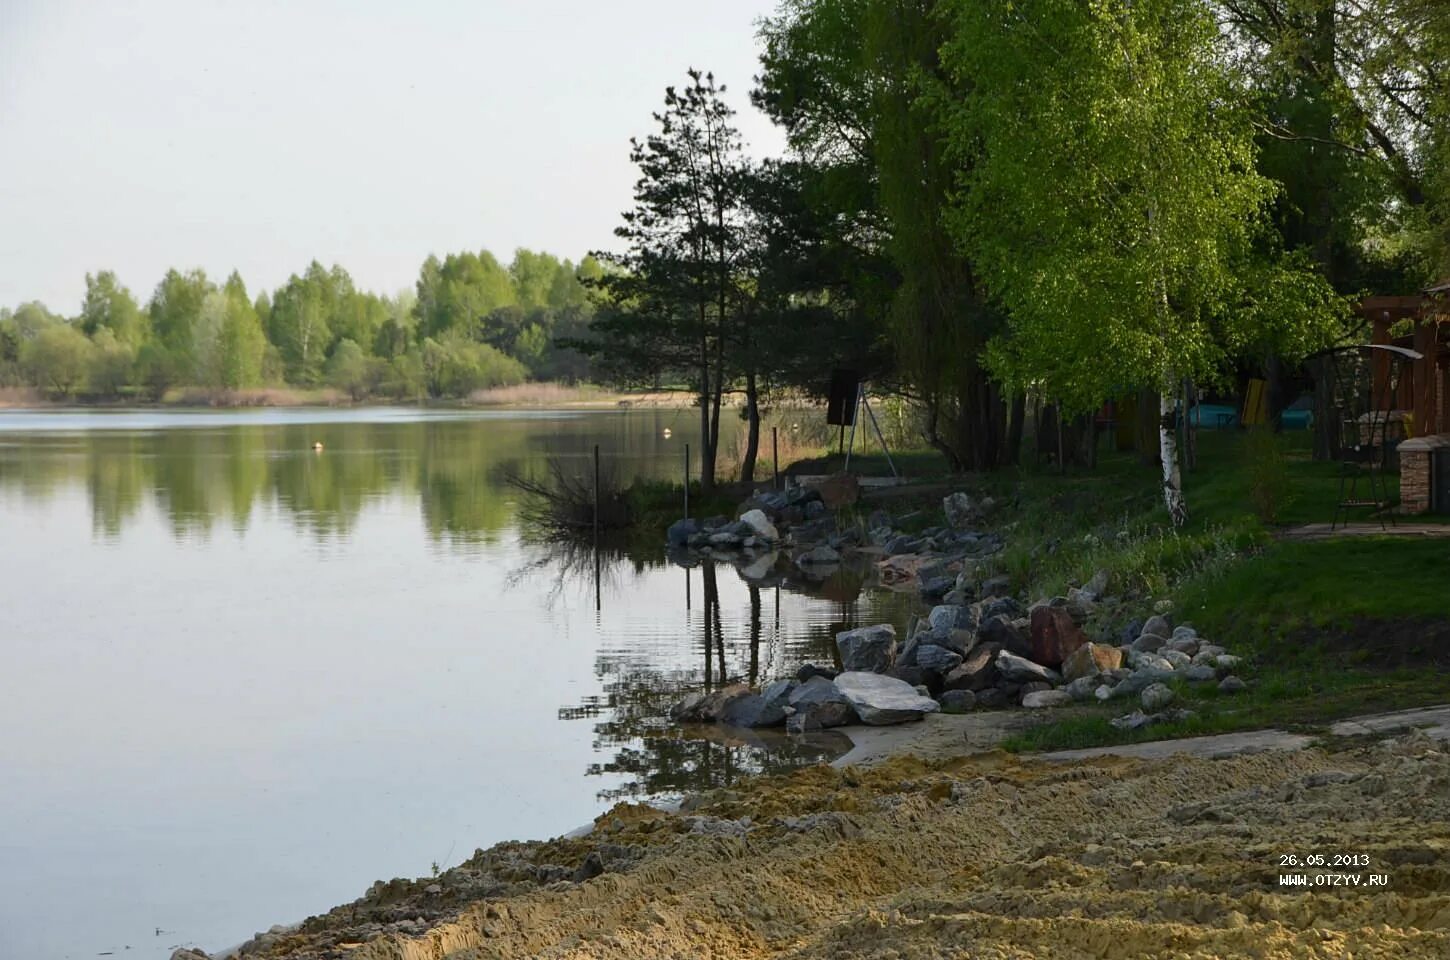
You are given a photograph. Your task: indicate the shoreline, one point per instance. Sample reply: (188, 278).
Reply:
(730, 872)
(23, 401)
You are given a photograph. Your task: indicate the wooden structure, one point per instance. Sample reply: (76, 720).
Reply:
(1420, 401)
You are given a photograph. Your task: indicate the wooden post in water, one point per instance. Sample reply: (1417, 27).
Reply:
(687, 481)
(775, 455)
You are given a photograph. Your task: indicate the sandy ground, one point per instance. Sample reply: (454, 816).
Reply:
(982, 856)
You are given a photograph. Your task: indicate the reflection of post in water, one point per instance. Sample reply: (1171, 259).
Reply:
(714, 633)
(754, 634)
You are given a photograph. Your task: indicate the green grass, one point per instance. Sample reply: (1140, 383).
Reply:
(1328, 627)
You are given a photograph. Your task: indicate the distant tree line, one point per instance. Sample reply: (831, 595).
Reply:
(984, 203)
(470, 323)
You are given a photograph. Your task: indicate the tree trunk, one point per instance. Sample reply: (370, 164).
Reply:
(1012, 451)
(707, 449)
(752, 439)
(1168, 455)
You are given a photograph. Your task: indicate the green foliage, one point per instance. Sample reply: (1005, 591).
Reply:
(111, 361)
(58, 358)
(1124, 110)
(110, 306)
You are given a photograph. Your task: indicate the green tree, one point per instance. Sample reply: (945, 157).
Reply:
(111, 362)
(110, 306)
(348, 370)
(175, 309)
(58, 358)
(460, 292)
(241, 344)
(673, 302)
(1108, 195)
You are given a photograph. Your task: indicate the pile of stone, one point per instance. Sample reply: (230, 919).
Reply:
(967, 653)
(801, 523)
(990, 653)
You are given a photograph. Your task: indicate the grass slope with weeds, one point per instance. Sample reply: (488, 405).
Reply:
(1329, 628)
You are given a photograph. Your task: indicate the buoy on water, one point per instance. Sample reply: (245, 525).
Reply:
(667, 433)
(317, 446)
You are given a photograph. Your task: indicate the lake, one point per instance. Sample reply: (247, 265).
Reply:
(243, 679)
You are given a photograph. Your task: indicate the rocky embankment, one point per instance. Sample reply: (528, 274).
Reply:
(977, 648)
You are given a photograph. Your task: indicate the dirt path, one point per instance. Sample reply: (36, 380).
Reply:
(984, 857)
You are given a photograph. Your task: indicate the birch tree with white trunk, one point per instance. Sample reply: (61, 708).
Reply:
(1108, 196)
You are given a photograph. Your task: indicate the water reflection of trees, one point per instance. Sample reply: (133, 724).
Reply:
(198, 478)
(655, 758)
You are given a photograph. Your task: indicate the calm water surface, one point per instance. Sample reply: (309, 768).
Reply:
(242, 680)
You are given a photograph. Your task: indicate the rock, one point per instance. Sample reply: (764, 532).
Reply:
(1131, 721)
(1156, 696)
(1179, 660)
(1148, 661)
(915, 676)
(1139, 681)
(1082, 688)
(1159, 627)
(937, 659)
(1006, 634)
(977, 672)
(1187, 646)
(958, 701)
(879, 700)
(991, 698)
(592, 867)
(1227, 661)
(1232, 684)
(820, 555)
(1184, 632)
(1103, 692)
(1080, 604)
(1148, 643)
(878, 519)
(1163, 607)
(1053, 635)
(189, 953)
(1091, 659)
(841, 490)
(1022, 670)
(753, 711)
(707, 707)
(1035, 686)
(809, 670)
(724, 539)
(818, 705)
(958, 508)
(923, 690)
(679, 533)
(869, 649)
(1046, 698)
(760, 525)
(1199, 673)
(935, 588)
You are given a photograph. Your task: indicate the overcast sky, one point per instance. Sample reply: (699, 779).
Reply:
(136, 135)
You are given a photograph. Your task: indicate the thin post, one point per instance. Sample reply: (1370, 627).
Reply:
(596, 496)
(687, 481)
(775, 455)
(855, 415)
(879, 436)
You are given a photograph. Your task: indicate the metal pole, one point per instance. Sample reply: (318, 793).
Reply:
(596, 495)
(687, 481)
(889, 462)
(775, 455)
(855, 415)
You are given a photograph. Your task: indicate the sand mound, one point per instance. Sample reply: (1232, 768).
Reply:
(981, 857)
